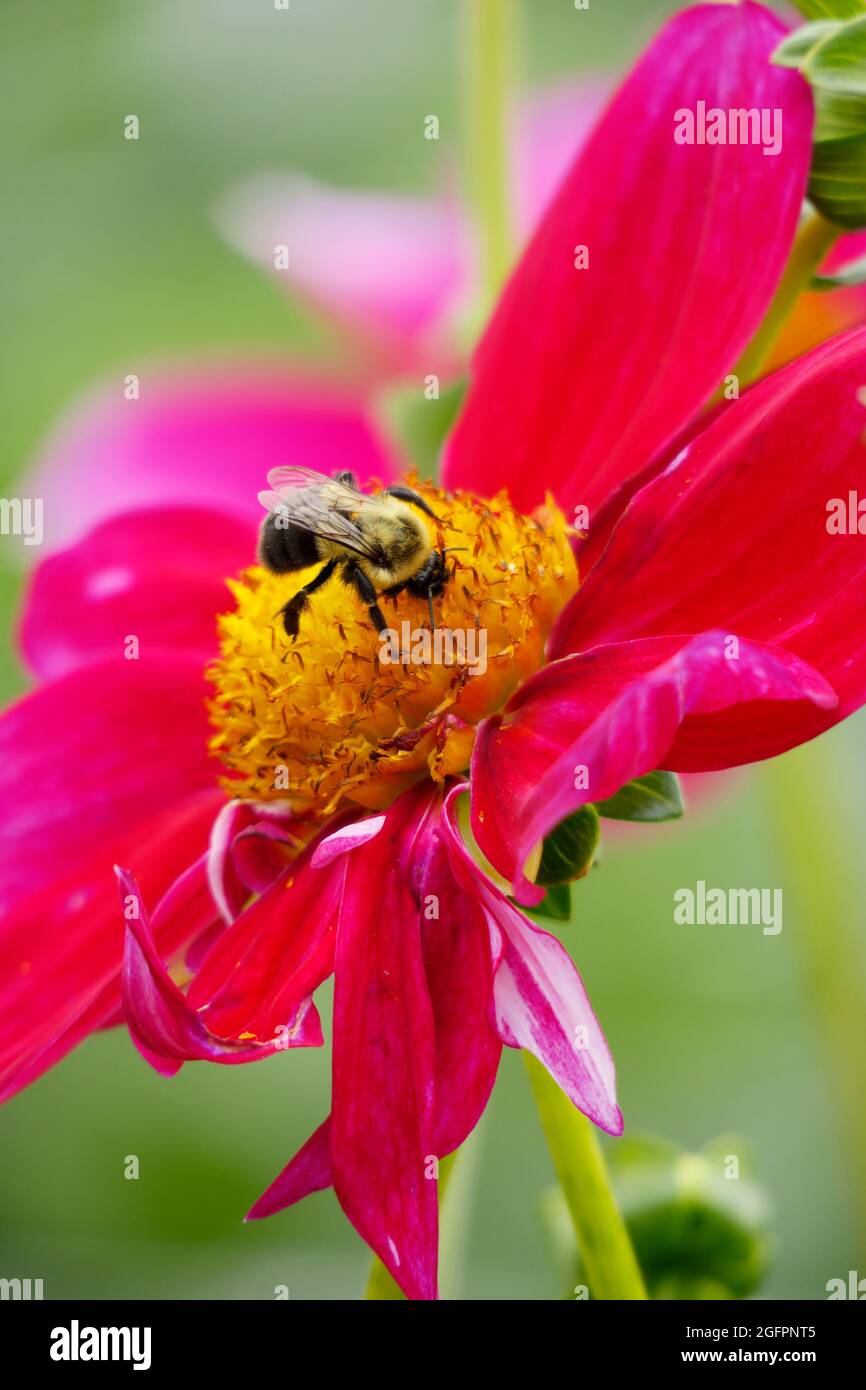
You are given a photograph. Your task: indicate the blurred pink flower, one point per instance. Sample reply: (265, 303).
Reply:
(393, 268)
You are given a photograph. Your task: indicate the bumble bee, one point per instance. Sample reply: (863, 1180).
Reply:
(375, 544)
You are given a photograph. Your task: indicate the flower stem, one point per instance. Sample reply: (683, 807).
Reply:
(813, 240)
(605, 1247)
(489, 47)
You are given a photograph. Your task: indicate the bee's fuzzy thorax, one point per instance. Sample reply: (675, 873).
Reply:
(322, 719)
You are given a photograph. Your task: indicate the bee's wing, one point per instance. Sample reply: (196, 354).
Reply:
(292, 476)
(320, 505)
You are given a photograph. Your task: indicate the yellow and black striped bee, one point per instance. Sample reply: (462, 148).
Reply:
(374, 544)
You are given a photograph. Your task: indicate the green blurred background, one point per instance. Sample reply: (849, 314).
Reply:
(110, 259)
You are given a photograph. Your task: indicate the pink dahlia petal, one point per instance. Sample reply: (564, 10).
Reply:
(382, 1142)
(21, 1070)
(264, 968)
(61, 948)
(309, 1171)
(539, 1002)
(459, 966)
(347, 838)
(157, 575)
(226, 888)
(587, 724)
(203, 437)
(260, 852)
(86, 759)
(755, 530)
(390, 266)
(248, 849)
(584, 374)
(161, 1020)
(591, 543)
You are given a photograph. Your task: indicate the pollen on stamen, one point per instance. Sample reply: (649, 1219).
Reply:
(330, 717)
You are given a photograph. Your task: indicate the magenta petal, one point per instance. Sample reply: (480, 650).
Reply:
(586, 725)
(235, 845)
(162, 1021)
(309, 1171)
(263, 968)
(458, 964)
(157, 575)
(87, 758)
(259, 854)
(539, 1002)
(740, 533)
(205, 435)
(61, 947)
(384, 1162)
(226, 888)
(584, 374)
(347, 838)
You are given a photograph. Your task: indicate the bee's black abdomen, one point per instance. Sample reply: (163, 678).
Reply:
(286, 548)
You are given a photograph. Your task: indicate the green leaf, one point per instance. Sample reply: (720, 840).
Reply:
(850, 275)
(830, 9)
(837, 62)
(422, 424)
(832, 58)
(795, 49)
(655, 797)
(837, 184)
(555, 905)
(569, 850)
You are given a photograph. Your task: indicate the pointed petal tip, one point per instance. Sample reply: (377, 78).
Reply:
(615, 1125)
(347, 838)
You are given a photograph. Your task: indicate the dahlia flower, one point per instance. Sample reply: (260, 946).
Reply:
(280, 811)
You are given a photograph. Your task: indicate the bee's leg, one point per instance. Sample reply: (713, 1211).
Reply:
(408, 494)
(366, 593)
(347, 478)
(292, 610)
(429, 581)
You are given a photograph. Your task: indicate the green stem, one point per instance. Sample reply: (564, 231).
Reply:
(489, 46)
(606, 1250)
(813, 240)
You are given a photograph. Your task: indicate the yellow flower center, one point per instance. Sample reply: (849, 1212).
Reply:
(340, 714)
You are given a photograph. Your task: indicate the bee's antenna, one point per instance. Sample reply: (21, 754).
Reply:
(432, 615)
(446, 549)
